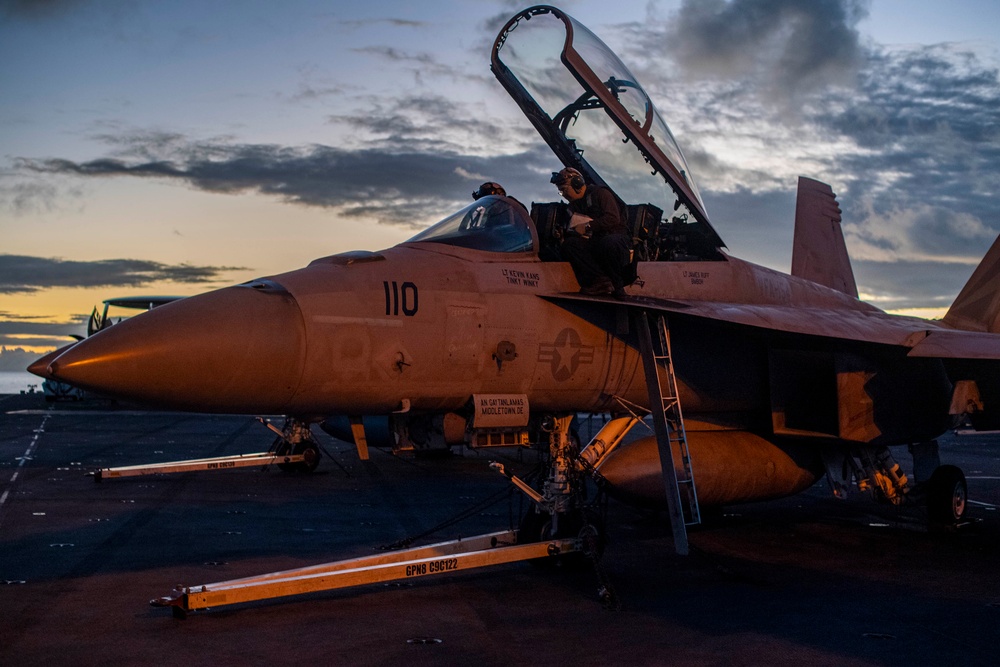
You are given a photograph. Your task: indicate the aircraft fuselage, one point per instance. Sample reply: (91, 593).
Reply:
(428, 325)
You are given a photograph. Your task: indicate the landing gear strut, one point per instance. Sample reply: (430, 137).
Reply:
(945, 492)
(559, 507)
(295, 439)
(559, 511)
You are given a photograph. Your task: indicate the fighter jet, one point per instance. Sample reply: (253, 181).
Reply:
(474, 331)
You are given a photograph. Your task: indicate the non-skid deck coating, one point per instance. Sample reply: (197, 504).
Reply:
(805, 580)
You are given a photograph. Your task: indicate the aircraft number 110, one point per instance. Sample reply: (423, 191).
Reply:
(400, 297)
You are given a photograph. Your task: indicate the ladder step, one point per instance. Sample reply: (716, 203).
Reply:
(662, 381)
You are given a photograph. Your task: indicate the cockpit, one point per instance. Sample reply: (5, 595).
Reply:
(598, 119)
(492, 223)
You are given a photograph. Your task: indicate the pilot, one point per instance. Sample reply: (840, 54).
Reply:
(597, 250)
(489, 188)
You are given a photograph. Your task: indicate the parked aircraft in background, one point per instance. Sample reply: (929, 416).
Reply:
(759, 383)
(100, 320)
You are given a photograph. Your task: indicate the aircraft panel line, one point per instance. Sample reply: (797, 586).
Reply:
(369, 321)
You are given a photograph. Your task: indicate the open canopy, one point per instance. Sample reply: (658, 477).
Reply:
(593, 113)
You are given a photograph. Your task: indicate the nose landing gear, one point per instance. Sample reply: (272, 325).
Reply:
(295, 440)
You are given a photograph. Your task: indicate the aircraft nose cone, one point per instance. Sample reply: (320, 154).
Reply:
(237, 349)
(40, 366)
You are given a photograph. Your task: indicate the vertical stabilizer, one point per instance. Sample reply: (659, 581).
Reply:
(819, 253)
(977, 307)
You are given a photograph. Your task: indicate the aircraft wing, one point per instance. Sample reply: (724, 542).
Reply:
(923, 338)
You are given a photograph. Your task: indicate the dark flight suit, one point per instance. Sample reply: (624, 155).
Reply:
(605, 255)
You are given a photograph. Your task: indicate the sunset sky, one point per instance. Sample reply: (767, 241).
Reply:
(174, 147)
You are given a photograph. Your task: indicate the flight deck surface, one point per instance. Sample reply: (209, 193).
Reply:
(804, 580)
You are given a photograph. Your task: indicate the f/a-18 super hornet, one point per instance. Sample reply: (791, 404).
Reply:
(474, 331)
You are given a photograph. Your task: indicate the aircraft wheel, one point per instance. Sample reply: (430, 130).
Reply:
(307, 448)
(593, 537)
(537, 527)
(947, 496)
(310, 451)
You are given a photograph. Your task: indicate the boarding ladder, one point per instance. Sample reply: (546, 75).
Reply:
(668, 425)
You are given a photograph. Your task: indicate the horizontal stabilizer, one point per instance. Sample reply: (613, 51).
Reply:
(819, 253)
(945, 344)
(977, 307)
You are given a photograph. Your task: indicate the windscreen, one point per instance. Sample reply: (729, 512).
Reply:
(493, 223)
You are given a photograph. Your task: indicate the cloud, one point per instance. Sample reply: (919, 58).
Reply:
(426, 123)
(929, 121)
(107, 19)
(421, 65)
(492, 24)
(37, 9)
(403, 161)
(757, 91)
(921, 203)
(393, 22)
(25, 341)
(41, 326)
(16, 359)
(785, 45)
(309, 92)
(20, 274)
(408, 187)
(761, 91)
(918, 233)
(24, 197)
(911, 284)
(464, 173)
(20, 331)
